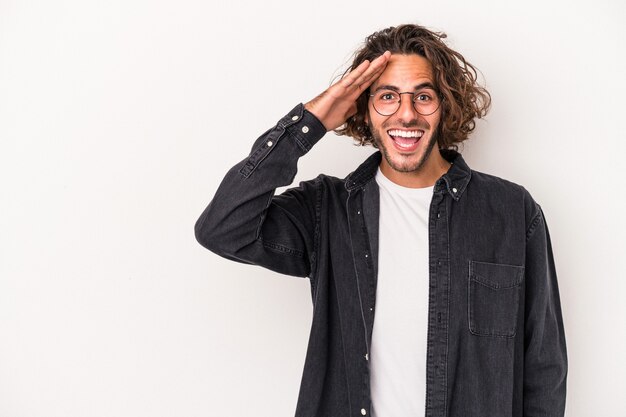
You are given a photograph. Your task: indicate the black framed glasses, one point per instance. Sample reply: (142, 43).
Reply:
(386, 102)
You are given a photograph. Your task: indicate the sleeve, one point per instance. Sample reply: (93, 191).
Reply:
(246, 222)
(545, 355)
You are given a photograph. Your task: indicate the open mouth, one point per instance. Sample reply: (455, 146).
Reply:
(405, 140)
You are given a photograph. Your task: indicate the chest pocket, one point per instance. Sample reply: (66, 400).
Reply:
(494, 296)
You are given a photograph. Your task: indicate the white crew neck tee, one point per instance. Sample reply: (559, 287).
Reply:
(398, 349)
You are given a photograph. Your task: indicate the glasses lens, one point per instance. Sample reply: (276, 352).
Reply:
(426, 102)
(387, 102)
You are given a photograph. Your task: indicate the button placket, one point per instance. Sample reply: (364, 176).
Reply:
(438, 304)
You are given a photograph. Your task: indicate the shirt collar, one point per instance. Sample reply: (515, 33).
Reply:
(454, 181)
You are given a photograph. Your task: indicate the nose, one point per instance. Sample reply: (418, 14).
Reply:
(406, 112)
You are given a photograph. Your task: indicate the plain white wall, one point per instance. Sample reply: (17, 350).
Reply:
(118, 119)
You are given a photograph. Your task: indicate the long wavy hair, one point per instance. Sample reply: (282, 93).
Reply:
(463, 99)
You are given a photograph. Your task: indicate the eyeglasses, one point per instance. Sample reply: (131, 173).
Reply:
(387, 102)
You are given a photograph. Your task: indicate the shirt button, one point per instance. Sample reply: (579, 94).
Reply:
(454, 190)
(296, 117)
(363, 411)
(305, 129)
(270, 143)
(366, 255)
(367, 358)
(358, 212)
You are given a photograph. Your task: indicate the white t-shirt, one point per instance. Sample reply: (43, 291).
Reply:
(398, 350)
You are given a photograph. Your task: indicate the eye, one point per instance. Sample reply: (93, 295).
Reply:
(423, 97)
(387, 96)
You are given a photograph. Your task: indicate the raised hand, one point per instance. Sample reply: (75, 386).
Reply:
(335, 105)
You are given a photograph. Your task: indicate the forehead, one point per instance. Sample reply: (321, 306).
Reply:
(405, 72)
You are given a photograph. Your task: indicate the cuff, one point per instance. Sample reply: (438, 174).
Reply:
(303, 126)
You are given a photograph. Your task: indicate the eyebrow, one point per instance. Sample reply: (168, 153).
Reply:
(427, 84)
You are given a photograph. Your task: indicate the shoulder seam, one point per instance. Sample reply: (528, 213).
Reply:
(534, 223)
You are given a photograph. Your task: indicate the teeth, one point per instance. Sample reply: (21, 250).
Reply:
(406, 133)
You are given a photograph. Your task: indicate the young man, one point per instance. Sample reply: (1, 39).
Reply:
(434, 286)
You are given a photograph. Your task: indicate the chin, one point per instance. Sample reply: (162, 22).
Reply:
(414, 164)
(407, 162)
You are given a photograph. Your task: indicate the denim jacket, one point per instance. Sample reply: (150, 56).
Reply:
(495, 343)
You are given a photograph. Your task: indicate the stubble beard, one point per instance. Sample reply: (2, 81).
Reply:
(405, 166)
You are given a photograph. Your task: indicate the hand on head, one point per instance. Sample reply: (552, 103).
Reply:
(335, 105)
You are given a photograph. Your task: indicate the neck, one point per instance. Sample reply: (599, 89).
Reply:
(426, 176)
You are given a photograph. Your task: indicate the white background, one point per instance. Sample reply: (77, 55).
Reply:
(118, 119)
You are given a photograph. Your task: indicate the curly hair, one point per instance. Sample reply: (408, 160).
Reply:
(463, 100)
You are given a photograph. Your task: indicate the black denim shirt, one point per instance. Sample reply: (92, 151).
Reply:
(495, 347)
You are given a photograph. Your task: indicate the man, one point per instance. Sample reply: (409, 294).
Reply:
(434, 286)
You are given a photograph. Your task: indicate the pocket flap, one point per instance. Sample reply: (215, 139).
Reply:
(496, 276)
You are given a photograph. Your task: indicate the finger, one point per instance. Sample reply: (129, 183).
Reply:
(381, 59)
(367, 79)
(377, 65)
(357, 80)
(353, 75)
(373, 71)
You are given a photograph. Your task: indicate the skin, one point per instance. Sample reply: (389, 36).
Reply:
(417, 168)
